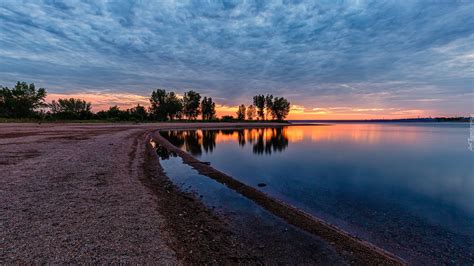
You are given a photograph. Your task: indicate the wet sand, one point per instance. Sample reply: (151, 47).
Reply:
(95, 193)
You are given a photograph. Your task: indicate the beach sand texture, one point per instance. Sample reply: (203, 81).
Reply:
(94, 193)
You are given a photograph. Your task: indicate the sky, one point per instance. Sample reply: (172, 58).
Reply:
(331, 59)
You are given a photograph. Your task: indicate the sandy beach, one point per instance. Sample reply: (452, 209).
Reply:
(95, 193)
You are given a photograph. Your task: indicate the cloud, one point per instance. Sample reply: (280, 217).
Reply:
(102, 101)
(366, 54)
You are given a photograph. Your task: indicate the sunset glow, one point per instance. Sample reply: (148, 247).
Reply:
(362, 133)
(102, 101)
(331, 60)
(331, 132)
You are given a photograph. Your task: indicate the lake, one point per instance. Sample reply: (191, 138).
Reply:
(406, 187)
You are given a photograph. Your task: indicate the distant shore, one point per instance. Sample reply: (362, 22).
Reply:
(95, 192)
(243, 122)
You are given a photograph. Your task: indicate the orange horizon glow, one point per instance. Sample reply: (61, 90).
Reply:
(102, 101)
(370, 134)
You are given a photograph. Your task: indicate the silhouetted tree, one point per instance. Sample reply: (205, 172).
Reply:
(173, 106)
(227, 118)
(191, 101)
(71, 109)
(158, 105)
(251, 112)
(21, 101)
(165, 105)
(114, 113)
(241, 112)
(208, 109)
(138, 113)
(280, 108)
(268, 105)
(259, 102)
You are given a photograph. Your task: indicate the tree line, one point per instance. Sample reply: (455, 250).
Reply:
(264, 107)
(26, 101)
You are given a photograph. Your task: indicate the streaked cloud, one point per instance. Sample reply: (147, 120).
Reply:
(102, 101)
(407, 56)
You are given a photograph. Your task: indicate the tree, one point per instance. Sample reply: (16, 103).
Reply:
(173, 106)
(280, 108)
(21, 101)
(208, 109)
(71, 109)
(138, 113)
(241, 112)
(158, 105)
(114, 113)
(268, 105)
(259, 102)
(165, 105)
(250, 112)
(191, 102)
(227, 118)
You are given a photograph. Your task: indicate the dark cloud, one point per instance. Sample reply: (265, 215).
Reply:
(391, 53)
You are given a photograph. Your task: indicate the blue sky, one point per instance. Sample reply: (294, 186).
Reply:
(367, 58)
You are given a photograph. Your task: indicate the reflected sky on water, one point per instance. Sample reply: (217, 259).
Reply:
(408, 187)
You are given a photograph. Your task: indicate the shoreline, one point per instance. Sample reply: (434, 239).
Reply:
(360, 252)
(97, 193)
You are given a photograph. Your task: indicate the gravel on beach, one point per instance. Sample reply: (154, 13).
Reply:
(71, 193)
(96, 193)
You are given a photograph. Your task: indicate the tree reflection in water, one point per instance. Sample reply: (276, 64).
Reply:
(263, 140)
(192, 142)
(164, 153)
(209, 140)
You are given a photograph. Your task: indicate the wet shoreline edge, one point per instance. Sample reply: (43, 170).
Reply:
(358, 251)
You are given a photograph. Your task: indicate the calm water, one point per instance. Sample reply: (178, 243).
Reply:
(255, 226)
(408, 188)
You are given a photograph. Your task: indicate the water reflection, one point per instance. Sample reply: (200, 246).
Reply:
(164, 153)
(209, 140)
(406, 187)
(263, 140)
